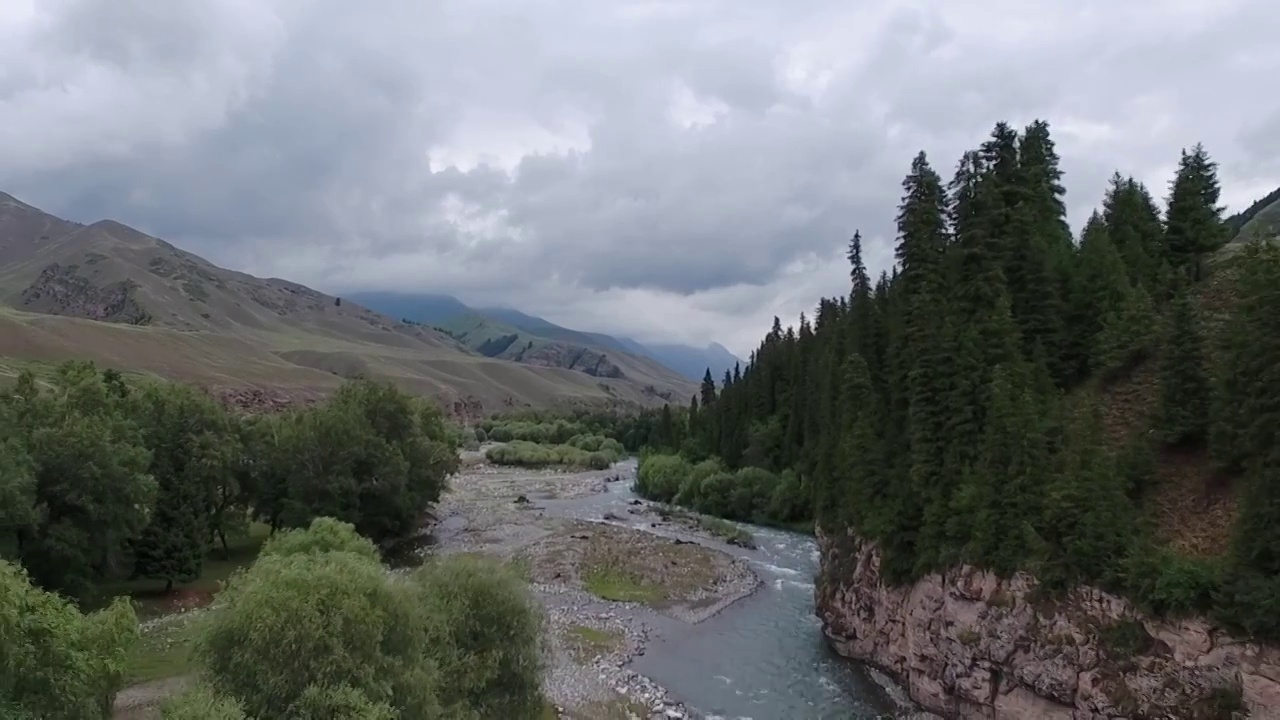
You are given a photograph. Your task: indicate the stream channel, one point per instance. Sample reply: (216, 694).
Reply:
(763, 657)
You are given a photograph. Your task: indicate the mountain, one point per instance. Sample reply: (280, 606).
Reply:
(1261, 219)
(694, 362)
(1267, 206)
(448, 312)
(420, 308)
(109, 293)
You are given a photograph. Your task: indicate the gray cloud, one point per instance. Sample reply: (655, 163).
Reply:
(678, 169)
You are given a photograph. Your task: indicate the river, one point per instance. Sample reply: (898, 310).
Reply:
(763, 657)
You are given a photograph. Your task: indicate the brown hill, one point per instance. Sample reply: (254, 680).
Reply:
(112, 294)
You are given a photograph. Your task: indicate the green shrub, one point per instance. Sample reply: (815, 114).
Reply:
(201, 703)
(323, 535)
(521, 453)
(55, 661)
(486, 638)
(1165, 583)
(688, 494)
(291, 623)
(659, 477)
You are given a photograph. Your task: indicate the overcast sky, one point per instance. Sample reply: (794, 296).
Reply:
(670, 169)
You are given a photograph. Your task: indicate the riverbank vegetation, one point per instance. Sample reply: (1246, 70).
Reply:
(973, 404)
(457, 637)
(592, 452)
(113, 486)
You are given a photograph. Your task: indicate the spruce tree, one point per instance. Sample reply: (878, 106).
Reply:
(1126, 335)
(1184, 388)
(1133, 224)
(1041, 257)
(922, 233)
(1193, 224)
(1247, 427)
(862, 476)
(990, 524)
(1099, 289)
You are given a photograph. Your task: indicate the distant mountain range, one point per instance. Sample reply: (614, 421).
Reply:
(109, 293)
(485, 329)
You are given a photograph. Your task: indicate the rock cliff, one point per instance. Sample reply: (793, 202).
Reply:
(968, 644)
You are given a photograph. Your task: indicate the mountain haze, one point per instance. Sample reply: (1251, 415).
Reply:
(109, 293)
(447, 311)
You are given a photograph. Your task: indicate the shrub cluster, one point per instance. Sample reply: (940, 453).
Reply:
(317, 628)
(522, 453)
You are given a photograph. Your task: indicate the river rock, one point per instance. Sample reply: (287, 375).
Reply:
(968, 644)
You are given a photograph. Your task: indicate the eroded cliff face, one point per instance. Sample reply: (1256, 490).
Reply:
(967, 644)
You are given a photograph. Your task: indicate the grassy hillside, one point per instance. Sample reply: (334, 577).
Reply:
(112, 294)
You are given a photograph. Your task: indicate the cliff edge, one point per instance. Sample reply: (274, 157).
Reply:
(968, 644)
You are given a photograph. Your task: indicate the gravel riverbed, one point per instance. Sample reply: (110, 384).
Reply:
(560, 528)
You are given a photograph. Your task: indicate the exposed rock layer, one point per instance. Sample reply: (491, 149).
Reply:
(968, 644)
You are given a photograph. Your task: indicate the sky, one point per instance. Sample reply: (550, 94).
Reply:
(672, 170)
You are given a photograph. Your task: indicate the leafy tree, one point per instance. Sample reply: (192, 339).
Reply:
(91, 481)
(17, 482)
(56, 663)
(373, 457)
(193, 449)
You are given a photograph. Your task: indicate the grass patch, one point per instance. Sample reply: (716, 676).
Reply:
(613, 584)
(587, 643)
(163, 651)
(518, 564)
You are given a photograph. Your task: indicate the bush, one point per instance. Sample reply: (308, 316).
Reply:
(487, 636)
(56, 662)
(660, 477)
(521, 453)
(323, 535)
(292, 625)
(481, 435)
(689, 494)
(201, 703)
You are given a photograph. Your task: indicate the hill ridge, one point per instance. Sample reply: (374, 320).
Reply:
(54, 272)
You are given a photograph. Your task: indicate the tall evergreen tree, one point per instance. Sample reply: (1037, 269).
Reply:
(1099, 289)
(1133, 224)
(1193, 226)
(922, 242)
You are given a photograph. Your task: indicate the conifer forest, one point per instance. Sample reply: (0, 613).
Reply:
(967, 406)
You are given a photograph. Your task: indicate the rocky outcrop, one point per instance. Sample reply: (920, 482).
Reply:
(61, 290)
(571, 357)
(968, 644)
